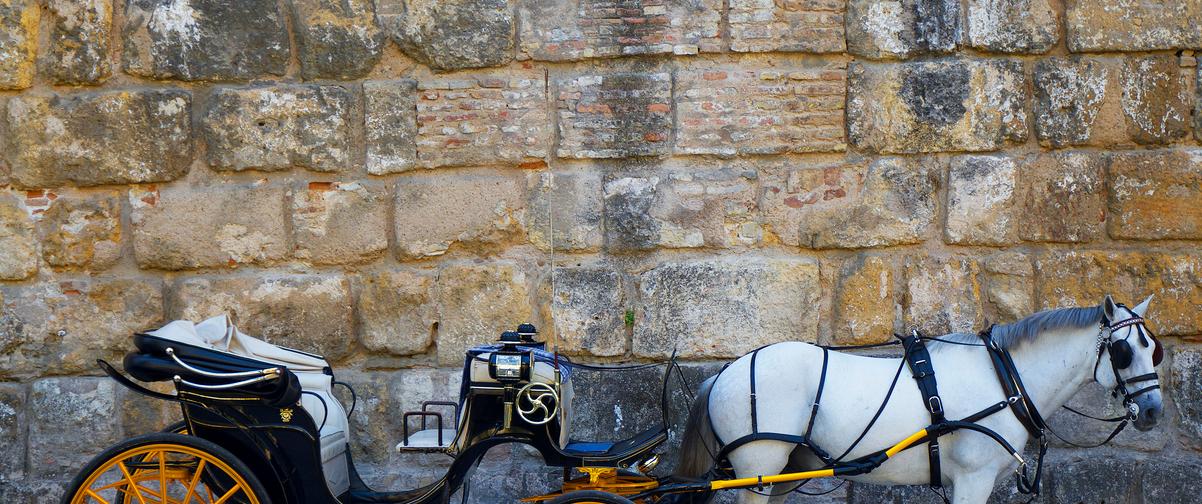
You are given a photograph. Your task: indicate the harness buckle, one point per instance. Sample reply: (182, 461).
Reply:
(1014, 398)
(935, 405)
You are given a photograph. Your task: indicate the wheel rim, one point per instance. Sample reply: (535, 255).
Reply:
(165, 474)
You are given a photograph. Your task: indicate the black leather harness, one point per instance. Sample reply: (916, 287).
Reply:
(919, 360)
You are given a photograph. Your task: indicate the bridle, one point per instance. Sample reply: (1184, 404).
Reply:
(1122, 356)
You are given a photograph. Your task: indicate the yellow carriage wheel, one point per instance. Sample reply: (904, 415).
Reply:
(166, 468)
(589, 497)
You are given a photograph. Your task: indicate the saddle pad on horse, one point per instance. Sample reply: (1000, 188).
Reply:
(218, 333)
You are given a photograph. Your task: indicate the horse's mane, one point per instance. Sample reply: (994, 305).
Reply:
(1027, 329)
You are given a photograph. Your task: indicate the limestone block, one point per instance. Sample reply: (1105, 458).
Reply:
(1120, 25)
(567, 31)
(107, 137)
(18, 42)
(227, 226)
(1167, 479)
(204, 40)
(376, 421)
(478, 301)
(82, 232)
(809, 26)
(725, 307)
(1062, 197)
(278, 127)
(79, 41)
(615, 115)
(572, 201)
(864, 302)
(85, 408)
(1186, 374)
(681, 209)
(1012, 26)
(13, 427)
(899, 29)
(1009, 286)
(890, 201)
(451, 34)
(728, 110)
(20, 258)
(336, 40)
(943, 105)
(1094, 479)
(590, 309)
(395, 311)
(481, 119)
(340, 223)
(1155, 99)
(311, 313)
(64, 326)
(942, 294)
(390, 119)
(1084, 278)
(1069, 94)
(981, 200)
(437, 211)
(1155, 195)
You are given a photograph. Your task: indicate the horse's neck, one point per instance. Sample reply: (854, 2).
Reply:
(1054, 366)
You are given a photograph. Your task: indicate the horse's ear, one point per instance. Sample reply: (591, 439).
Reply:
(1108, 308)
(1142, 308)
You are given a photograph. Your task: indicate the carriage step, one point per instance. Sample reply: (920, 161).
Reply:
(427, 440)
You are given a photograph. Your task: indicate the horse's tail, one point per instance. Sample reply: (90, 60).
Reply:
(699, 444)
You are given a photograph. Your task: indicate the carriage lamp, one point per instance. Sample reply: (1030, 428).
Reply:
(510, 364)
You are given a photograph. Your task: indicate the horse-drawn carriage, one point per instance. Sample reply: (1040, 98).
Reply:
(262, 423)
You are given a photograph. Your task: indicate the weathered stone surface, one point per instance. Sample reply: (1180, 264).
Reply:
(79, 41)
(143, 415)
(376, 423)
(1084, 278)
(340, 223)
(942, 294)
(82, 232)
(681, 209)
(1111, 479)
(810, 26)
(451, 34)
(1169, 480)
(891, 201)
(62, 327)
(947, 105)
(227, 226)
(696, 307)
(311, 313)
(1155, 98)
(478, 209)
(213, 40)
(730, 110)
(395, 312)
(864, 303)
(1009, 286)
(1096, 400)
(83, 407)
(567, 31)
(17, 240)
(278, 127)
(1069, 93)
(110, 137)
(615, 115)
(1062, 197)
(902, 28)
(390, 121)
(1186, 373)
(1155, 195)
(1120, 25)
(1012, 26)
(477, 302)
(482, 119)
(590, 309)
(13, 425)
(18, 42)
(981, 201)
(574, 201)
(336, 40)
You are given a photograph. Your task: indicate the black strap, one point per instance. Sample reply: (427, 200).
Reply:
(1023, 407)
(755, 425)
(923, 370)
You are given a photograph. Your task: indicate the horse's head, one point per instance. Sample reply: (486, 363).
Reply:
(1133, 353)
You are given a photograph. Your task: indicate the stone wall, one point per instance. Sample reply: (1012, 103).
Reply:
(377, 182)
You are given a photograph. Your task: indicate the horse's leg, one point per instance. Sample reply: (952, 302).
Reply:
(972, 488)
(761, 458)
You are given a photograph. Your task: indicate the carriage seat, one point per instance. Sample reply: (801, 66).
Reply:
(312, 371)
(614, 451)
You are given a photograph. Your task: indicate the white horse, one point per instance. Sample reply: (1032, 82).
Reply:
(1055, 353)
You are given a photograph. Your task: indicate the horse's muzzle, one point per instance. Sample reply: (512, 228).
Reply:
(1150, 410)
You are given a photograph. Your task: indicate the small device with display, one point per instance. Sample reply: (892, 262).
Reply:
(510, 364)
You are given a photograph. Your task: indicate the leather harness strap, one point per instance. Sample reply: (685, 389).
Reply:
(1021, 405)
(923, 371)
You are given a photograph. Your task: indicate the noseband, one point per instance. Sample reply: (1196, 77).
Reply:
(1121, 356)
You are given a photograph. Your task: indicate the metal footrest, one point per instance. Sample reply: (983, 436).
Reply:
(436, 439)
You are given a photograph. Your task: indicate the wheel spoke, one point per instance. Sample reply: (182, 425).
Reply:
(133, 484)
(195, 479)
(94, 495)
(163, 474)
(229, 494)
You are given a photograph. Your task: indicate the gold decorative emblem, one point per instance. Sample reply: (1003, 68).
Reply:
(286, 414)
